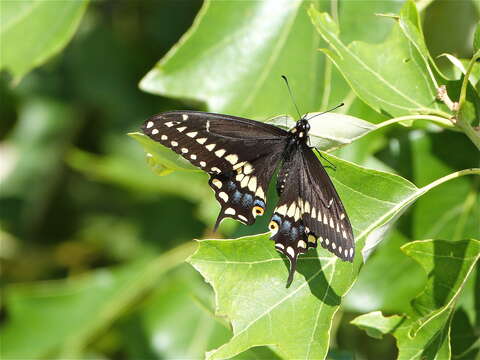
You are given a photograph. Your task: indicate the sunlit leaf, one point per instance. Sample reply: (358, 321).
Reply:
(460, 66)
(396, 83)
(234, 54)
(409, 22)
(32, 31)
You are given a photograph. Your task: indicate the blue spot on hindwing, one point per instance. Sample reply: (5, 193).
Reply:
(237, 195)
(277, 218)
(247, 200)
(301, 229)
(260, 203)
(294, 233)
(231, 186)
(286, 226)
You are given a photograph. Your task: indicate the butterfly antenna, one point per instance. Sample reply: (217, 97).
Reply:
(324, 112)
(291, 95)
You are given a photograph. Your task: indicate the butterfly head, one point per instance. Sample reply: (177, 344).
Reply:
(301, 129)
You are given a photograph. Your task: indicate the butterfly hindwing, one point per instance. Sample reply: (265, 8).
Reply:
(323, 212)
(239, 154)
(242, 192)
(309, 210)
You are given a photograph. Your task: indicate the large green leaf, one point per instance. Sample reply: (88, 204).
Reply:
(425, 334)
(249, 276)
(234, 53)
(32, 31)
(396, 83)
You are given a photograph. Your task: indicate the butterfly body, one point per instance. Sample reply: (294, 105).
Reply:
(241, 156)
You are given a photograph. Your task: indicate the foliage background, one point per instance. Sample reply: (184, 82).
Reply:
(93, 242)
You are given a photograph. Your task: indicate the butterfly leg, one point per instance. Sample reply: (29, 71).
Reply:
(331, 166)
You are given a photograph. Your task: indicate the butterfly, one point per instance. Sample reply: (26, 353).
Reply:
(241, 157)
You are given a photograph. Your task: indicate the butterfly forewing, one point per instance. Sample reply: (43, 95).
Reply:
(239, 154)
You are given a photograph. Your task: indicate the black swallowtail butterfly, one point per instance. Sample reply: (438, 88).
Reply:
(241, 156)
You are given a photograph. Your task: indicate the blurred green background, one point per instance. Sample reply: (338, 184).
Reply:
(93, 242)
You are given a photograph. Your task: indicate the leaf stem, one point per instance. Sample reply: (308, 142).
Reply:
(471, 171)
(433, 118)
(463, 91)
(458, 108)
(462, 123)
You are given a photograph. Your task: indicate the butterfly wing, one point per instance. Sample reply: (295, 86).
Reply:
(239, 154)
(309, 211)
(323, 212)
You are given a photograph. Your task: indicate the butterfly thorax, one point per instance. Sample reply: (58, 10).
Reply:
(298, 136)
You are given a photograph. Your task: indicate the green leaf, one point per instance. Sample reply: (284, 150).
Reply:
(448, 266)
(425, 334)
(460, 66)
(396, 83)
(354, 15)
(376, 325)
(32, 31)
(234, 53)
(409, 22)
(249, 276)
